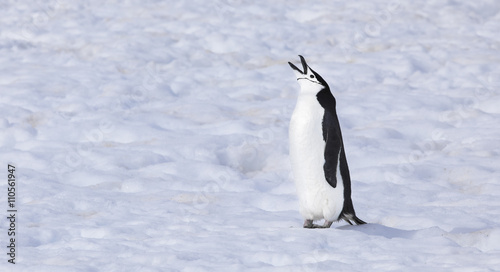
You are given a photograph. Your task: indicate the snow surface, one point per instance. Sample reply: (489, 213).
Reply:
(152, 135)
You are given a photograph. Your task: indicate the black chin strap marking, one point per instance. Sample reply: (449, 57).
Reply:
(309, 80)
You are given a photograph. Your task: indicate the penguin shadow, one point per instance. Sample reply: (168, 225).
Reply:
(374, 229)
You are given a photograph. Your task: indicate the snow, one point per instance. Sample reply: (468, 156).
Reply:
(152, 136)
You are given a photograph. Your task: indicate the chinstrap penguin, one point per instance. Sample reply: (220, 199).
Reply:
(317, 153)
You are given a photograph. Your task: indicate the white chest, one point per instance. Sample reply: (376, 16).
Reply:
(306, 143)
(305, 132)
(317, 198)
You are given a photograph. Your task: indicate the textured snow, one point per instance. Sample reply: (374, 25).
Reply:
(152, 135)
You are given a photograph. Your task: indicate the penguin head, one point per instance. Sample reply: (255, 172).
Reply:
(308, 79)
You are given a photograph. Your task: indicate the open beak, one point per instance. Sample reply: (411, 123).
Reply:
(304, 65)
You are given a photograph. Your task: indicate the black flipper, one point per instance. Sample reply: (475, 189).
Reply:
(333, 144)
(330, 166)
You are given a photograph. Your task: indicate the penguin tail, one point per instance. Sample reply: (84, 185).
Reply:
(348, 214)
(358, 221)
(353, 217)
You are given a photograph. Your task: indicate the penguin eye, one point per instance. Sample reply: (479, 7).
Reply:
(312, 76)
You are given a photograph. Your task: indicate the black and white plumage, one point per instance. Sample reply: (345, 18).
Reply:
(317, 153)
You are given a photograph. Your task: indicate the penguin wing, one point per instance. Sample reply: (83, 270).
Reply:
(333, 146)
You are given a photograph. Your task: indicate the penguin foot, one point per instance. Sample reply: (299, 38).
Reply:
(327, 224)
(308, 224)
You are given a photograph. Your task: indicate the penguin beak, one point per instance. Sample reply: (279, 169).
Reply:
(297, 70)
